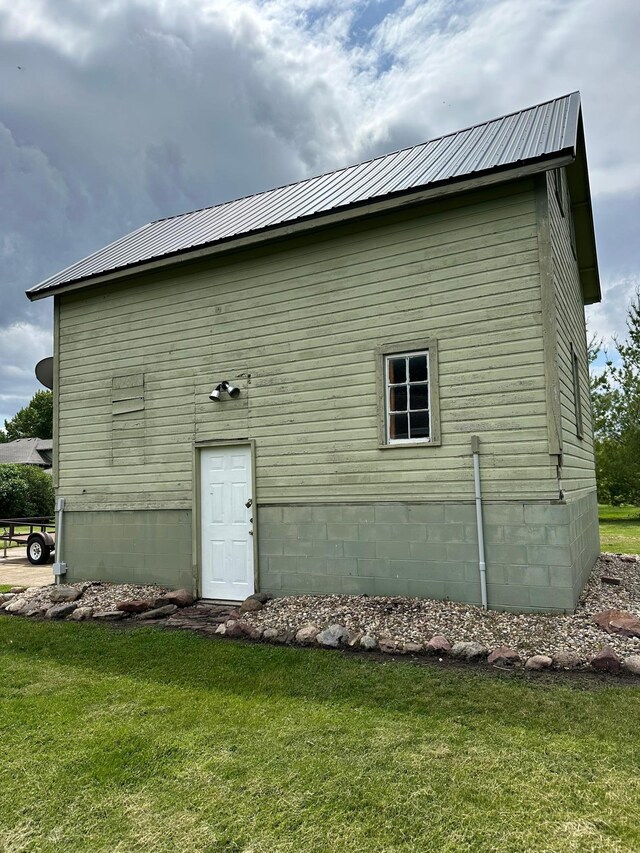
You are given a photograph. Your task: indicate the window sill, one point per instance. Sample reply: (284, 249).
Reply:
(431, 443)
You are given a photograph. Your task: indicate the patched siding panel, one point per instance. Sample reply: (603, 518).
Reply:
(297, 326)
(578, 470)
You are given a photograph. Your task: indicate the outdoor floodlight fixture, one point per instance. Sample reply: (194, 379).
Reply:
(225, 385)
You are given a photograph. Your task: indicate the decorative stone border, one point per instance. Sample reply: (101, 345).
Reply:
(177, 610)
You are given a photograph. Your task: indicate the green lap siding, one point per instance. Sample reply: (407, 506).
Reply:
(578, 468)
(297, 325)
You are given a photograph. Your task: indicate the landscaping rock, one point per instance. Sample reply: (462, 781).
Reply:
(158, 612)
(234, 628)
(632, 664)
(537, 662)
(566, 660)
(16, 590)
(607, 661)
(179, 597)
(59, 611)
(270, 634)
(138, 605)
(64, 593)
(34, 610)
(284, 638)
(618, 622)
(109, 615)
(333, 636)
(354, 639)
(389, 646)
(6, 596)
(368, 642)
(307, 634)
(438, 645)
(629, 558)
(413, 648)
(81, 613)
(611, 580)
(250, 604)
(16, 605)
(503, 656)
(469, 651)
(262, 597)
(221, 629)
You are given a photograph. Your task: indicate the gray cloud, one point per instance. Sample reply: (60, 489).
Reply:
(112, 114)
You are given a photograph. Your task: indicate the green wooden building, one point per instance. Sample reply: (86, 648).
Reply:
(368, 324)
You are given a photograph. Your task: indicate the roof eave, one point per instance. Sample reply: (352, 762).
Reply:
(582, 211)
(323, 219)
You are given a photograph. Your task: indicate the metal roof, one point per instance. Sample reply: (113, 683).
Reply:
(532, 135)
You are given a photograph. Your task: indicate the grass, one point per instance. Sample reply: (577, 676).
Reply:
(619, 529)
(5, 587)
(122, 740)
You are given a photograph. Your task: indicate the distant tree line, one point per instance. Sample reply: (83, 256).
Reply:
(615, 394)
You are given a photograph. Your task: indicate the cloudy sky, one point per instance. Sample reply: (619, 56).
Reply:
(117, 112)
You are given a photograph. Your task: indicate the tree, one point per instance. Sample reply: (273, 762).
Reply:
(616, 410)
(25, 491)
(34, 421)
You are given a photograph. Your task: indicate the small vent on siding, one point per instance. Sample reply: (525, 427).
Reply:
(127, 421)
(127, 394)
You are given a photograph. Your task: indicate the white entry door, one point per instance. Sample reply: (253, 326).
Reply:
(226, 523)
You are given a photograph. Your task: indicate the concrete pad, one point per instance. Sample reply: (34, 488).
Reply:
(16, 570)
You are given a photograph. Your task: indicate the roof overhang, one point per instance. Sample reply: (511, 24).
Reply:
(580, 193)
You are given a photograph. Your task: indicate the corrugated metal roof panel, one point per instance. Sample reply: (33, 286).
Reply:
(541, 131)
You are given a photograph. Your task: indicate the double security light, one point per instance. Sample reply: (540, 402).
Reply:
(225, 385)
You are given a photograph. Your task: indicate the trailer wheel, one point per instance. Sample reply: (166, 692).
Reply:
(38, 552)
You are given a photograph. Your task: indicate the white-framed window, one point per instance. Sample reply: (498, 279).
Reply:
(408, 397)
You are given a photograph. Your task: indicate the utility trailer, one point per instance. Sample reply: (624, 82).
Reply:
(40, 540)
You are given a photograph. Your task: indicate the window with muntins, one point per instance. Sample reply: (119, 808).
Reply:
(408, 398)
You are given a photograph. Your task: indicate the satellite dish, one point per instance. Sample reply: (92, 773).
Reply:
(44, 372)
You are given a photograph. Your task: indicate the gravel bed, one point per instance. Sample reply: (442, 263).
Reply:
(417, 620)
(100, 596)
(412, 620)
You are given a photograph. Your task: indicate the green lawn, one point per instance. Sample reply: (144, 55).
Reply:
(620, 529)
(122, 740)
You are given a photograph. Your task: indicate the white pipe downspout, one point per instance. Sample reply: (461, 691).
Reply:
(475, 449)
(59, 568)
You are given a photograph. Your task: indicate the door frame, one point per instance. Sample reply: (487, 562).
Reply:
(196, 527)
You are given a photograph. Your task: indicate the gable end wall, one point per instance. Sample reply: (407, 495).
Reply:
(298, 327)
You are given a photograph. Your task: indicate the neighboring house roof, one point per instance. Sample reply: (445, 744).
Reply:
(531, 140)
(27, 451)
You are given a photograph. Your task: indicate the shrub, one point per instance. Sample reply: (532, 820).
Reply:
(25, 491)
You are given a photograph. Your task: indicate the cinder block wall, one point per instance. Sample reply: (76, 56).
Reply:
(538, 555)
(129, 546)
(534, 560)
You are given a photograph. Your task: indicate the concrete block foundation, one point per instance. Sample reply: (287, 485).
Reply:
(538, 555)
